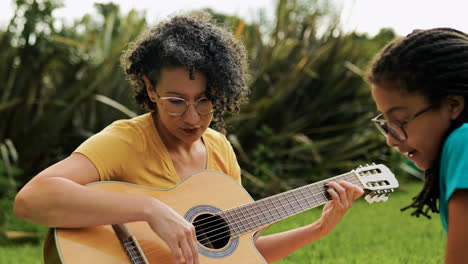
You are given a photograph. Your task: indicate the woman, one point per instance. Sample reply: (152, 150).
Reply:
(420, 85)
(187, 71)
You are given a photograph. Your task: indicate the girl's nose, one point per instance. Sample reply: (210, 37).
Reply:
(392, 141)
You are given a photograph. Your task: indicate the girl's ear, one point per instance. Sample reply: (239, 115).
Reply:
(456, 104)
(149, 89)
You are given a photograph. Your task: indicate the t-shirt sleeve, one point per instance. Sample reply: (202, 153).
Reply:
(235, 168)
(108, 150)
(457, 162)
(222, 154)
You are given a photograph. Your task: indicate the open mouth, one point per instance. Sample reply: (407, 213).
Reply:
(410, 154)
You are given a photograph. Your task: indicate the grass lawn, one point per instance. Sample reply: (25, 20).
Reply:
(21, 254)
(373, 233)
(369, 233)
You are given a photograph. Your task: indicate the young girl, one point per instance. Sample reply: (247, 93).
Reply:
(420, 85)
(186, 71)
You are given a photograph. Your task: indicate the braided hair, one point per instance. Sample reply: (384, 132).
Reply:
(195, 42)
(433, 63)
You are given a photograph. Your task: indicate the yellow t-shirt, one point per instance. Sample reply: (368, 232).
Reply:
(132, 151)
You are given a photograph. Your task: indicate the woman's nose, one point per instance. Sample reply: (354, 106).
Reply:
(191, 115)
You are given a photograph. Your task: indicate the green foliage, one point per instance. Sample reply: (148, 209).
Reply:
(309, 110)
(8, 186)
(63, 82)
(8, 169)
(372, 45)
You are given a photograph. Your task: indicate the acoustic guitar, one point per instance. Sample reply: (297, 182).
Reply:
(224, 215)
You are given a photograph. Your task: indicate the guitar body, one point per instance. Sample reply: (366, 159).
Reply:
(224, 215)
(203, 193)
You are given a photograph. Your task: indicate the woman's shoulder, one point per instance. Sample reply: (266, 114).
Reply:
(137, 122)
(126, 131)
(215, 138)
(128, 127)
(213, 134)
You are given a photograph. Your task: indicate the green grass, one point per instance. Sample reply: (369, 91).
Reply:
(368, 233)
(27, 249)
(30, 254)
(373, 233)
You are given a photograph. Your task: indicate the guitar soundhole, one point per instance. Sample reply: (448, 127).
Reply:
(212, 231)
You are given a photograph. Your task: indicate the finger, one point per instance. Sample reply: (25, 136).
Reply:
(176, 253)
(339, 189)
(349, 188)
(335, 196)
(194, 246)
(186, 251)
(358, 193)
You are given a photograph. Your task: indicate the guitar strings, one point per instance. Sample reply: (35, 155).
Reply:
(306, 198)
(151, 252)
(315, 184)
(214, 217)
(130, 250)
(231, 223)
(241, 221)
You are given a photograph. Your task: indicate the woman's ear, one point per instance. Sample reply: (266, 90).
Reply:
(456, 104)
(149, 89)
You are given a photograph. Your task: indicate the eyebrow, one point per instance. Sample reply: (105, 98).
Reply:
(183, 95)
(393, 109)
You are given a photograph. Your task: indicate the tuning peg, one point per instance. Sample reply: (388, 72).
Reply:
(369, 199)
(372, 198)
(383, 198)
(377, 198)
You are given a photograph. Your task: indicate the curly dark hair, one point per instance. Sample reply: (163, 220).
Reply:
(433, 63)
(195, 42)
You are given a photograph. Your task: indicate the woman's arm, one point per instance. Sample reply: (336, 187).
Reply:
(277, 246)
(56, 197)
(457, 237)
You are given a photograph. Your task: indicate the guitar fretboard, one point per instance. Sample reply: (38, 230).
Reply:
(130, 244)
(275, 208)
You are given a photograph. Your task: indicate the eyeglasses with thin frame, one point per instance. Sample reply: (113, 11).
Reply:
(395, 128)
(177, 106)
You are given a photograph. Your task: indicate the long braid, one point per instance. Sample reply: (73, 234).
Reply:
(427, 199)
(434, 63)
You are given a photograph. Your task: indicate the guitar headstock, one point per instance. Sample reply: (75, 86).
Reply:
(378, 181)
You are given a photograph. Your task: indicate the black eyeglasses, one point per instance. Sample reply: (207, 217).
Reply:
(177, 106)
(395, 128)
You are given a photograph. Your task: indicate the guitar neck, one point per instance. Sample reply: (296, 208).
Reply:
(130, 244)
(275, 208)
